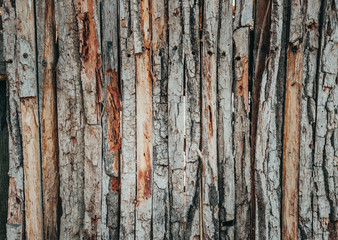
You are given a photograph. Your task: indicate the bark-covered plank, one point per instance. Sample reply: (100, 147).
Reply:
(15, 218)
(128, 158)
(70, 113)
(325, 170)
(176, 119)
(241, 124)
(160, 208)
(226, 164)
(210, 206)
(308, 118)
(111, 120)
(192, 83)
(268, 40)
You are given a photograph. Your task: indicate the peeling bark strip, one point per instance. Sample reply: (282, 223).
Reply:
(128, 158)
(50, 172)
(70, 122)
(160, 208)
(15, 219)
(143, 121)
(226, 164)
(111, 120)
(325, 170)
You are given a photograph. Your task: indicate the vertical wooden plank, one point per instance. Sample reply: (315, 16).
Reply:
(210, 206)
(226, 164)
(128, 158)
(267, 165)
(49, 151)
(70, 122)
(176, 119)
(142, 44)
(325, 168)
(90, 55)
(160, 209)
(15, 217)
(192, 118)
(26, 56)
(308, 118)
(242, 157)
(292, 121)
(111, 120)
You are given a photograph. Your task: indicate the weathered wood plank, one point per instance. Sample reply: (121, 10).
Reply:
(15, 219)
(226, 164)
(308, 118)
(241, 124)
(70, 122)
(49, 144)
(144, 118)
(210, 208)
(160, 208)
(325, 170)
(26, 56)
(192, 117)
(292, 116)
(111, 120)
(128, 158)
(176, 120)
(268, 40)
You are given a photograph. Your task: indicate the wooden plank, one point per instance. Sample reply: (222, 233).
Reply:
(128, 158)
(15, 219)
(70, 122)
(226, 164)
(111, 120)
(325, 168)
(308, 118)
(49, 151)
(240, 134)
(210, 206)
(292, 123)
(192, 117)
(160, 208)
(267, 162)
(176, 120)
(142, 38)
(30, 120)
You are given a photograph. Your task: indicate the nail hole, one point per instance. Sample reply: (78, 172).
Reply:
(174, 48)
(238, 58)
(223, 54)
(44, 63)
(128, 55)
(25, 55)
(209, 52)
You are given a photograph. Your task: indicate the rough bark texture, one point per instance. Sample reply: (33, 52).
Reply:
(180, 119)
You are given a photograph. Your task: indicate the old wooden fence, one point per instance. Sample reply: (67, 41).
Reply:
(169, 119)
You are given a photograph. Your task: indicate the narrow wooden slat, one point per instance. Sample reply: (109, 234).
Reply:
(111, 120)
(49, 151)
(226, 164)
(70, 122)
(160, 208)
(192, 108)
(308, 118)
(15, 219)
(26, 71)
(241, 137)
(267, 164)
(128, 158)
(210, 206)
(291, 147)
(142, 44)
(176, 119)
(325, 170)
